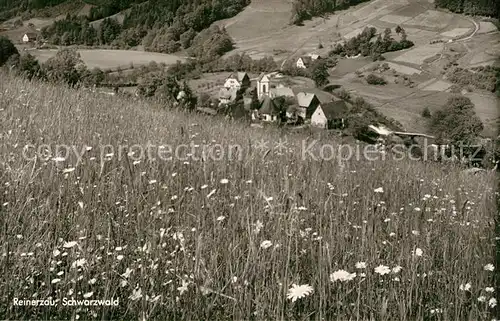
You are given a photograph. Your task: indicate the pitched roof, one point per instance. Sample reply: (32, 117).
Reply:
(241, 76)
(268, 107)
(314, 56)
(238, 76)
(335, 109)
(31, 35)
(306, 59)
(305, 99)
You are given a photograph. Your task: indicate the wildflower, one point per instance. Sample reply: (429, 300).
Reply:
(482, 298)
(183, 288)
(360, 265)
(266, 244)
(153, 181)
(492, 302)
(342, 275)
(69, 245)
(489, 267)
(465, 287)
(92, 281)
(221, 218)
(79, 263)
(127, 273)
(382, 270)
(258, 226)
(56, 252)
(379, 190)
(136, 294)
(418, 252)
(299, 291)
(234, 279)
(54, 281)
(224, 181)
(489, 289)
(396, 269)
(58, 159)
(119, 257)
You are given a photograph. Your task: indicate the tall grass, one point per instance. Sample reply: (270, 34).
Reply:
(184, 239)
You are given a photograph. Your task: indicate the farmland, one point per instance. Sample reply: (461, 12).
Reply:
(214, 236)
(105, 59)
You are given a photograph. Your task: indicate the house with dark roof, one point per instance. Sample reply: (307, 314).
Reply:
(267, 112)
(30, 37)
(331, 115)
(304, 62)
(307, 103)
(237, 80)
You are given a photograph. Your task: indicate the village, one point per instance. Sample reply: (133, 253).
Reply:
(273, 98)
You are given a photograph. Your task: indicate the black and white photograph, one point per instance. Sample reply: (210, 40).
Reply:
(322, 160)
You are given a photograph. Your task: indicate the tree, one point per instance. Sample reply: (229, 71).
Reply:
(319, 73)
(375, 80)
(7, 49)
(29, 66)
(457, 121)
(426, 113)
(65, 66)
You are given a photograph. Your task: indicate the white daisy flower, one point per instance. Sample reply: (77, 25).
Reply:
(382, 270)
(299, 291)
(266, 244)
(342, 275)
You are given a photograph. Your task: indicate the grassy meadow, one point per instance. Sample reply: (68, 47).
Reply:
(269, 235)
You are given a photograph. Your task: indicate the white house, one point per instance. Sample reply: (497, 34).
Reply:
(237, 80)
(330, 116)
(305, 61)
(29, 37)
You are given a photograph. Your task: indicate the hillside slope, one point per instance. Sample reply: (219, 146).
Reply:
(125, 206)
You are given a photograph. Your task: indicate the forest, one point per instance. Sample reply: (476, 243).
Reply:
(161, 26)
(489, 8)
(306, 9)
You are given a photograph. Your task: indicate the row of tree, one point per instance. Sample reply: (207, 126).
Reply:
(363, 45)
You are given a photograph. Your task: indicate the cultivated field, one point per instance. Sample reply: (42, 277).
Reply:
(105, 59)
(258, 35)
(210, 236)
